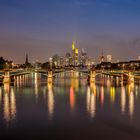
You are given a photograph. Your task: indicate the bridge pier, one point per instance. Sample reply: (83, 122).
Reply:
(7, 78)
(92, 76)
(130, 77)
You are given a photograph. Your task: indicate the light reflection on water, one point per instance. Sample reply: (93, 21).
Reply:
(92, 100)
(9, 103)
(50, 101)
(72, 98)
(123, 100)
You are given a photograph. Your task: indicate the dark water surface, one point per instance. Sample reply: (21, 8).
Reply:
(69, 109)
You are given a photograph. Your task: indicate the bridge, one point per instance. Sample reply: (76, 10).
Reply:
(7, 76)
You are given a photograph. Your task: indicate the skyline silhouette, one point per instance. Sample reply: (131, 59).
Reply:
(43, 28)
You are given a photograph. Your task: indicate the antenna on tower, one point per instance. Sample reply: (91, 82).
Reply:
(102, 56)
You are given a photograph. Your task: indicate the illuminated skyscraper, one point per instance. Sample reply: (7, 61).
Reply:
(73, 53)
(73, 45)
(75, 56)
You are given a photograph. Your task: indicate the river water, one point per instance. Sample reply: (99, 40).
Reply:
(69, 109)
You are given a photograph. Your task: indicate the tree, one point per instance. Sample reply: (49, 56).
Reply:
(2, 62)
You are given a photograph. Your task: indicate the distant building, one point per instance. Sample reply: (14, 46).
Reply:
(37, 64)
(83, 58)
(109, 58)
(56, 60)
(103, 65)
(76, 56)
(27, 64)
(62, 61)
(102, 59)
(129, 65)
(67, 59)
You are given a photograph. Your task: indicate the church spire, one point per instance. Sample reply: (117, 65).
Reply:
(26, 61)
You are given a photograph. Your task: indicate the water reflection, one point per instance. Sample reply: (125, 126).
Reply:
(102, 95)
(9, 105)
(131, 104)
(131, 98)
(123, 99)
(136, 91)
(50, 101)
(72, 98)
(91, 98)
(112, 94)
(36, 80)
(91, 102)
(6, 108)
(74, 87)
(22, 80)
(13, 104)
(75, 83)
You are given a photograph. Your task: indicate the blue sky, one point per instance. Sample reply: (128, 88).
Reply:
(45, 27)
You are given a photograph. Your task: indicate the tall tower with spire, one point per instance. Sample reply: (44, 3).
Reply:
(26, 61)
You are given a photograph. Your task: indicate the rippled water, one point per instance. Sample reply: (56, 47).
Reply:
(69, 109)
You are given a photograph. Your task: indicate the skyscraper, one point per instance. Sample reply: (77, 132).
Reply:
(75, 54)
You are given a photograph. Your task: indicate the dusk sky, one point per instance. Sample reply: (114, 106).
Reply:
(46, 27)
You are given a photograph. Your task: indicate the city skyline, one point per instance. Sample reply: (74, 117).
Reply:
(43, 28)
